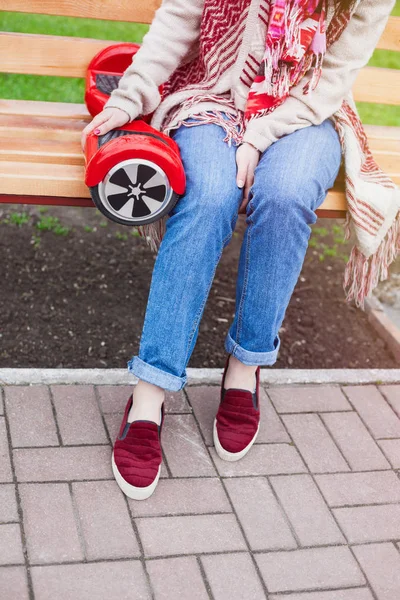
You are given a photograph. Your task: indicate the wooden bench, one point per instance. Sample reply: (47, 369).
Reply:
(41, 160)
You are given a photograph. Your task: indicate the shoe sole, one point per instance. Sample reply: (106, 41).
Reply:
(231, 456)
(136, 493)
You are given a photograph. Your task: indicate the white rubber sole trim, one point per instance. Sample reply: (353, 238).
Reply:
(136, 493)
(230, 456)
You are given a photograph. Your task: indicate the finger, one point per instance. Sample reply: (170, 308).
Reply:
(241, 173)
(97, 121)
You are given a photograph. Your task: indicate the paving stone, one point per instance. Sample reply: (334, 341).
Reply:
(205, 402)
(30, 416)
(369, 523)
(381, 564)
(306, 509)
(376, 413)
(165, 536)
(391, 448)
(49, 521)
(314, 443)
(180, 496)
(104, 520)
(113, 398)
(61, 464)
(354, 440)
(184, 449)
(392, 395)
(176, 578)
(232, 576)
(113, 423)
(10, 544)
(308, 398)
(309, 568)
(260, 515)
(78, 415)
(262, 459)
(116, 580)
(5, 464)
(8, 503)
(13, 583)
(376, 487)
(350, 594)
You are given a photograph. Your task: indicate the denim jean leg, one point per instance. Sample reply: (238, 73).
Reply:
(198, 228)
(291, 181)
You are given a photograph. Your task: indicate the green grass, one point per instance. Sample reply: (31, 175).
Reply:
(68, 89)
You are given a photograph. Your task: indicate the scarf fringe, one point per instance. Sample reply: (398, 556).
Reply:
(153, 233)
(232, 124)
(363, 274)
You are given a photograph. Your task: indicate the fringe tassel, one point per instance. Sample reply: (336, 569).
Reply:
(363, 274)
(153, 232)
(233, 125)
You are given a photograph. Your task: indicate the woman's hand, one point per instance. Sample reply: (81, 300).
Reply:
(108, 119)
(247, 157)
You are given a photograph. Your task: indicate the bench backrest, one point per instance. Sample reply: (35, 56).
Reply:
(69, 56)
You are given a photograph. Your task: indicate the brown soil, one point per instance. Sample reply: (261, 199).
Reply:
(78, 300)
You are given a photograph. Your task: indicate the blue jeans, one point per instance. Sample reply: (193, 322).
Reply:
(291, 181)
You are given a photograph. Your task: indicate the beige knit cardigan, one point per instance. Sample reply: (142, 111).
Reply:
(173, 41)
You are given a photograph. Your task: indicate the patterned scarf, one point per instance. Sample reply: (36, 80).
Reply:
(296, 35)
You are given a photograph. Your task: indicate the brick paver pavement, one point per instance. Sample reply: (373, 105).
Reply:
(311, 513)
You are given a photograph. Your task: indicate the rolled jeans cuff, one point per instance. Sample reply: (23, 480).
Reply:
(154, 375)
(248, 357)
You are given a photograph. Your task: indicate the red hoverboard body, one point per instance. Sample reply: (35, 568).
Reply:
(134, 173)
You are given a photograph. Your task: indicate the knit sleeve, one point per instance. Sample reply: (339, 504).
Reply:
(342, 62)
(172, 33)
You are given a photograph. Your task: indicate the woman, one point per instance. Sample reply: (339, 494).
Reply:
(274, 77)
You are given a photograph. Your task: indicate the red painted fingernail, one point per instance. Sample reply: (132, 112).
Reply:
(97, 131)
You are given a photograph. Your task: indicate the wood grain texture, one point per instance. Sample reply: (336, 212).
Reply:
(35, 54)
(136, 11)
(375, 84)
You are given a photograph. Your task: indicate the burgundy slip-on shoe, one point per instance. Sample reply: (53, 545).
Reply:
(137, 457)
(237, 421)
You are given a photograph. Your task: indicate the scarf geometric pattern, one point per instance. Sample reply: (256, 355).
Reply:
(296, 42)
(296, 31)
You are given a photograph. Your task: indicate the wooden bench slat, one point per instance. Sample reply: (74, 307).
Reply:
(36, 179)
(375, 84)
(390, 39)
(29, 54)
(38, 146)
(112, 10)
(37, 108)
(38, 189)
(70, 119)
(46, 151)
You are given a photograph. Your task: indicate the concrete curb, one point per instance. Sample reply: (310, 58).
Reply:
(384, 326)
(198, 376)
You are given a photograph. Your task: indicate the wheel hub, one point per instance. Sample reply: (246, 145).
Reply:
(135, 189)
